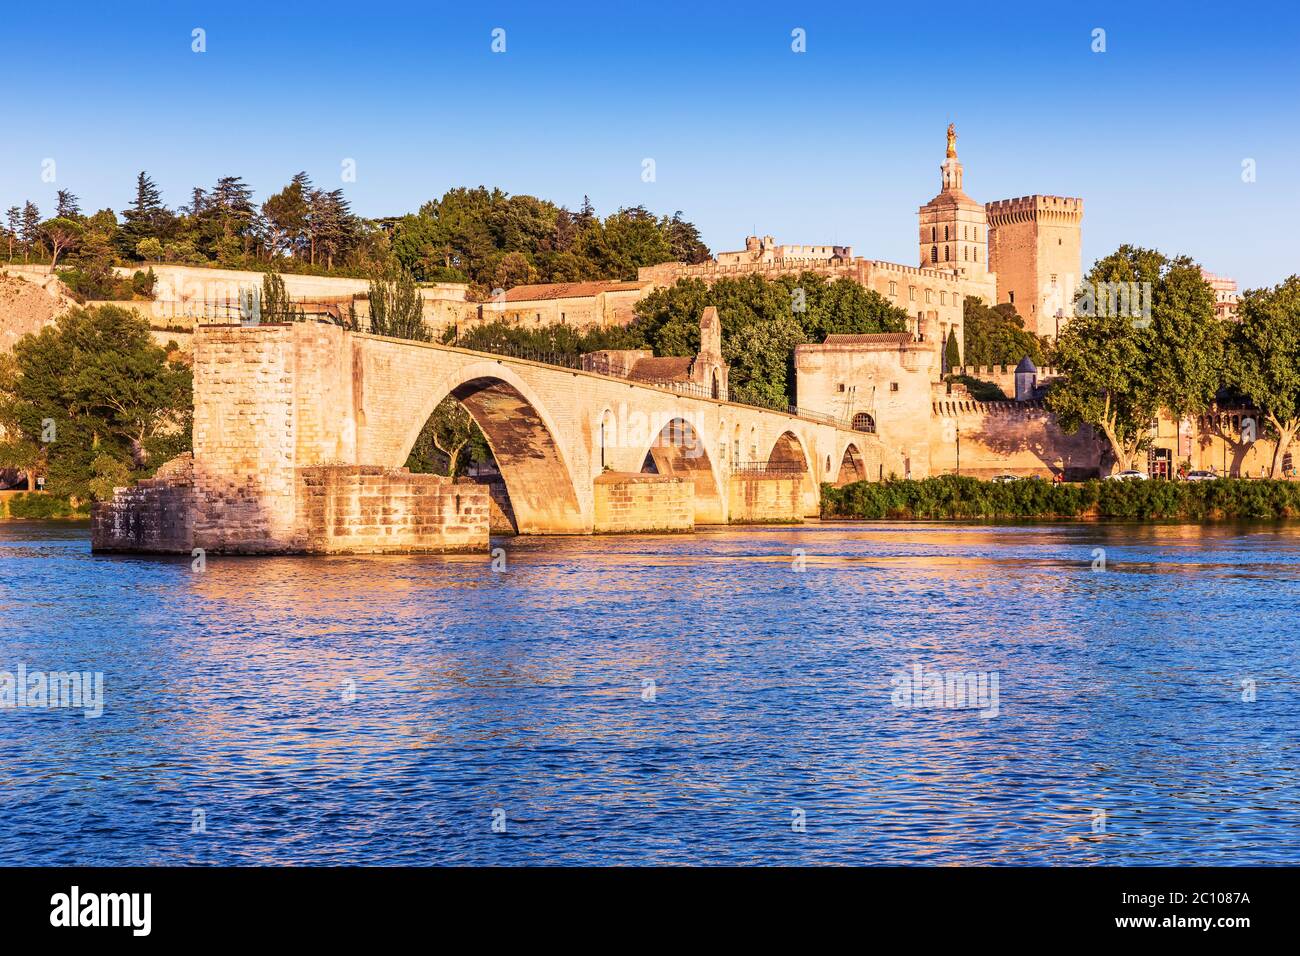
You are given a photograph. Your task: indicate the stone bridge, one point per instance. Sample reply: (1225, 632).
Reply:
(301, 431)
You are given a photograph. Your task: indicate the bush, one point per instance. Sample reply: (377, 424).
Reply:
(951, 497)
(38, 507)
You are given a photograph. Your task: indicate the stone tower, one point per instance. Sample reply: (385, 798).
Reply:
(1035, 249)
(954, 230)
(709, 367)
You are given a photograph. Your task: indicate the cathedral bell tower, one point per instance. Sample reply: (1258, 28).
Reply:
(954, 228)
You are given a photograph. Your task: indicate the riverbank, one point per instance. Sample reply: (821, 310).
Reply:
(37, 506)
(951, 497)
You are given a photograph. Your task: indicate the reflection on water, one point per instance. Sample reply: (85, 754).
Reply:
(378, 710)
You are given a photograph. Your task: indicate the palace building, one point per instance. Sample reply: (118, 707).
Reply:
(1024, 251)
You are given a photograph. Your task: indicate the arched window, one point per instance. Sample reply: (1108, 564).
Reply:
(965, 232)
(933, 234)
(945, 253)
(945, 233)
(717, 384)
(934, 253)
(965, 252)
(862, 422)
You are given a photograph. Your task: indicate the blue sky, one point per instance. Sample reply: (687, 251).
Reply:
(836, 145)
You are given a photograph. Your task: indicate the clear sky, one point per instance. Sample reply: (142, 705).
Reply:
(838, 144)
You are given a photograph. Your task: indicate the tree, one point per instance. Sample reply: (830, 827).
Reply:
(625, 241)
(684, 239)
(1104, 360)
(275, 305)
(447, 433)
(149, 248)
(952, 351)
(1143, 338)
(92, 384)
(31, 227)
(286, 216)
(762, 321)
(62, 235)
(67, 206)
(13, 222)
(146, 216)
(1263, 359)
(396, 306)
(997, 336)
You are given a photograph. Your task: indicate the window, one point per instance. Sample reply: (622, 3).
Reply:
(893, 386)
(945, 253)
(965, 253)
(929, 296)
(893, 288)
(839, 387)
(977, 254)
(1011, 297)
(862, 422)
(945, 233)
(965, 232)
(933, 234)
(934, 253)
(943, 298)
(911, 293)
(1053, 280)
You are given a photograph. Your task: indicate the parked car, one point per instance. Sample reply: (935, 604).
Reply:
(1131, 474)
(1200, 475)
(1004, 479)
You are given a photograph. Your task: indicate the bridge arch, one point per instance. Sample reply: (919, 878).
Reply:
(522, 436)
(680, 450)
(852, 466)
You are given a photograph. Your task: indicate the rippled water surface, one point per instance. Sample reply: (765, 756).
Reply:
(229, 692)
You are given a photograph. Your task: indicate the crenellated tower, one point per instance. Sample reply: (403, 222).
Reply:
(1035, 247)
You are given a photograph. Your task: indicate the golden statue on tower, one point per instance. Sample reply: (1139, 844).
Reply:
(952, 141)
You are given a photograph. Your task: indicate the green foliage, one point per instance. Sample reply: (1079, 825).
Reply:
(762, 321)
(40, 507)
(979, 389)
(144, 283)
(506, 338)
(952, 351)
(1263, 358)
(1119, 370)
(449, 442)
(396, 307)
(107, 473)
(952, 497)
(496, 241)
(996, 335)
(92, 385)
(274, 305)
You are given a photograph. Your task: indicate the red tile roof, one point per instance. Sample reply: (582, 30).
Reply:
(567, 290)
(670, 368)
(872, 338)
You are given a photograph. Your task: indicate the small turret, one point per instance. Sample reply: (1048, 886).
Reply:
(1026, 380)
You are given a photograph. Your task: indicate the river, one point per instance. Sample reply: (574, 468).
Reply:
(732, 696)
